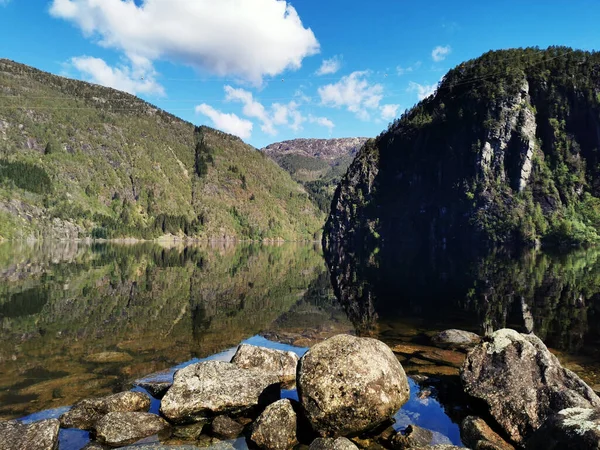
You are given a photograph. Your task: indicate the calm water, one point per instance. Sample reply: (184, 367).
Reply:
(78, 321)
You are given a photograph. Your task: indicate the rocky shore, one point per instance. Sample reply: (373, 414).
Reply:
(513, 392)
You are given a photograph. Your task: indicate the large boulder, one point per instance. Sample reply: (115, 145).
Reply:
(277, 362)
(41, 435)
(123, 428)
(348, 385)
(275, 428)
(576, 428)
(86, 413)
(211, 388)
(456, 339)
(522, 383)
(478, 435)
(340, 443)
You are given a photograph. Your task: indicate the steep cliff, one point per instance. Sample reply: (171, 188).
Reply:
(318, 164)
(505, 152)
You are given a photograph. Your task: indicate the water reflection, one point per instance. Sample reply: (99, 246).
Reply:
(79, 321)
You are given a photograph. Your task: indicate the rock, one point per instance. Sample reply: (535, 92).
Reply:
(349, 384)
(478, 435)
(108, 357)
(576, 428)
(522, 383)
(42, 435)
(280, 363)
(415, 436)
(340, 443)
(189, 432)
(275, 428)
(123, 428)
(95, 446)
(227, 428)
(212, 388)
(456, 339)
(157, 389)
(447, 357)
(440, 447)
(86, 413)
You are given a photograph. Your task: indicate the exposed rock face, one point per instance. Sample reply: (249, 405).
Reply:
(478, 435)
(576, 428)
(277, 362)
(41, 435)
(340, 443)
(226, 427)
(456, 339)
(349, 384)
(123, 428)
(522, 383)
(86, 413)
(212, 388)
(275, 428)
(415, 436)
(326, 149)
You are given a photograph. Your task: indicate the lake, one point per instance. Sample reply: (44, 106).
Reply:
(78, 320)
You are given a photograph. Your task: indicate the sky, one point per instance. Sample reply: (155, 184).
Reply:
(273, 70)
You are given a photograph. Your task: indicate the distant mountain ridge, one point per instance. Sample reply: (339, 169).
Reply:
(318, 164)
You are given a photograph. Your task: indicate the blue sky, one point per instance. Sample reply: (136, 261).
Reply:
(271, 70)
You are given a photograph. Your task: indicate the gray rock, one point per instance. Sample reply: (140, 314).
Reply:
(349, 384)
(96, 446)
(189, 432)
(42, 435)
(478, 435)
(86, 413)
(157, 389)
(275, 428)
(573, 428)
(340, 443)
(123, 428)
(280, 363)
(212, 388)
(415, 436)
(226, 427)
(456, 339)
(522, 383)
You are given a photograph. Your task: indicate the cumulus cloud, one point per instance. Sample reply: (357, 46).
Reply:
(440, 53)
(423, 90)
(137, 79)
(354, 93)
(229, 123)
(330, 66)
(247, 39)
(389, 112)
(322, 121)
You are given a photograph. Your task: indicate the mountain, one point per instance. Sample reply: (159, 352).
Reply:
(318, 164)
(81, 160)
(505, 152)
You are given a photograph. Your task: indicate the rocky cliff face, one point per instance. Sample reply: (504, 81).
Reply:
(506, 152)
(324, 149)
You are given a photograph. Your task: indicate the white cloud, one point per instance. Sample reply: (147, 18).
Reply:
(330, 66)
(229, 123)
(323, 121)
(423, 90)
(354, 93)
(138, 79)
(249, 39)
(440, 53)
(404, 70)
(389, 112)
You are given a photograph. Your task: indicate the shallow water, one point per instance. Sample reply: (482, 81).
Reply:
(78, 321)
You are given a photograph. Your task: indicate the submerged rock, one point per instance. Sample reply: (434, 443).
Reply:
(576, 428)
(277, 362)
(123, 428)
(42, 435)
(446, 357)
(522, 383)
(189, 432)
(226, 427)
(86, 413)
(212, 388)
(349, 384)
(456, 339)
(478, 435)
(275, 428)
(109, 357)
(415, 436)
(340, 443)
